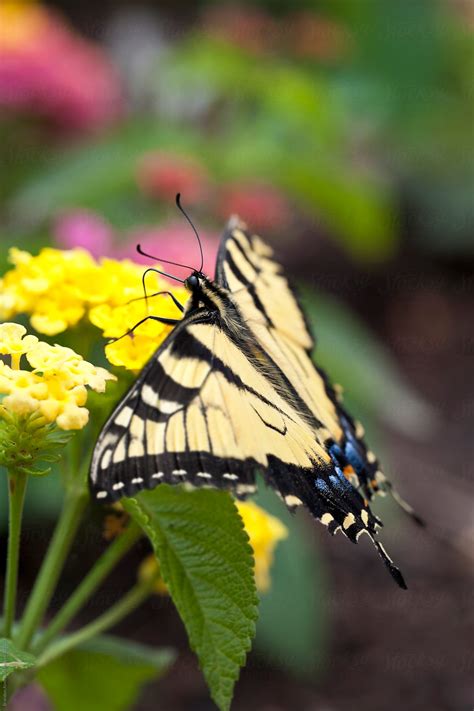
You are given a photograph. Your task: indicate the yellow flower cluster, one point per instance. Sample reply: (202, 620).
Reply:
(264, 532)
(58, 288)
(56, 385)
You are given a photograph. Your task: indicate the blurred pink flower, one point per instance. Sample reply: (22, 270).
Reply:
(175, 242)
(262, 206)
(161, 174)
(30, 697)
(48, 70)
(83, 228)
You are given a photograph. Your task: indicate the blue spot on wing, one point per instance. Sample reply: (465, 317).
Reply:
(322, 486)
(354, 457)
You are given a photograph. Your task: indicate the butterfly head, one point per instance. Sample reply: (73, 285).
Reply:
(195, 281)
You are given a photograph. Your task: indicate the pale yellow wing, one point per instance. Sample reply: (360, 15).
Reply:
(260, 289)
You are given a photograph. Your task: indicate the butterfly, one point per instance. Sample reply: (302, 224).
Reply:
(232, 391)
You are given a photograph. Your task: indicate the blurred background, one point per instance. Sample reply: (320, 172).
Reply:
(342, 131)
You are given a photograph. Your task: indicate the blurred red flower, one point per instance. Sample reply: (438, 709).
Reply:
(47, 70)
(262, 206)
(175, 242)
(315, 36)
(248, 27)
(303, 33)
(161, 175)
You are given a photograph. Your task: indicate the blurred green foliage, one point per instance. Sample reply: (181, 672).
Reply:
(104, 673)
(293, 625)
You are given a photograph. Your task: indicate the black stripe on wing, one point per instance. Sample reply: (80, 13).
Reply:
(196, 469)
(251, 256)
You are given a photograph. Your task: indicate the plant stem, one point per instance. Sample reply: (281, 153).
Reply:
(115, 552)
(121, 609)
(16, 497)
(52, 566)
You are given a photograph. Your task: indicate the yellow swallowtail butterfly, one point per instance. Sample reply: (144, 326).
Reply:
(232, 391)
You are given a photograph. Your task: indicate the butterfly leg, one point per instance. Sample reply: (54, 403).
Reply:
(173, 297)
(159, 293)
(160, 319)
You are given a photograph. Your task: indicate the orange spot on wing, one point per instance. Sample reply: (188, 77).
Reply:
(348, 471)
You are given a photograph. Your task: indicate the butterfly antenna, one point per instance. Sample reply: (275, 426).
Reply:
(157, 259)
(179, 206)
(158, 271)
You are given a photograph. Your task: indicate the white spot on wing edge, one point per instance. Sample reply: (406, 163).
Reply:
(101, 495)
(245, 488)
(137, 480)
(232, 477)
(158, 475)
(291, 500)
(179, 472)
(204, 475)
(348, 521)
(118, 485)
(359, 430)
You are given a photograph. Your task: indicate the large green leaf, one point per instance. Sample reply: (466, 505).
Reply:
(105, 673)
(207, 564)
(292, 624)
(12, 659)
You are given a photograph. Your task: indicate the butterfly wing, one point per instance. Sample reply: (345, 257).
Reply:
(246, 266)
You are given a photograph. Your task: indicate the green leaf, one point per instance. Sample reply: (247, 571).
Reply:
(292, 624)
(105, 673)
(207, 564)
(12, 659)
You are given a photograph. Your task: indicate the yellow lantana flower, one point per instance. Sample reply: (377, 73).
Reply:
(149, 568)
(55, 388)
(264, 532)
(14, 342)
(58, 288)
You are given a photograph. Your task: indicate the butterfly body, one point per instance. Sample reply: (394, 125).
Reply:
(233, 391)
